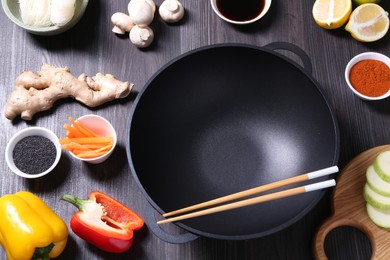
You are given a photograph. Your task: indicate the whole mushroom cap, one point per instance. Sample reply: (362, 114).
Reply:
(141, 13)
(171, 11)
(122, 23)
(141, 36)
(150, 2)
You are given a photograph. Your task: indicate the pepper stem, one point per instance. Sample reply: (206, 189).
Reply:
(77, 202)
(42, 253)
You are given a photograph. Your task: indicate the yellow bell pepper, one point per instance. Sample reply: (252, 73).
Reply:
(29, 229)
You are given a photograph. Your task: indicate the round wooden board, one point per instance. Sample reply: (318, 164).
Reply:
(349, 207)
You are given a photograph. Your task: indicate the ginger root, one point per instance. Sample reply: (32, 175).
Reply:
(38, 91)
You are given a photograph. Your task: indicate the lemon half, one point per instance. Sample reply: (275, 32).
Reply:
(331, 14)
(368, 23)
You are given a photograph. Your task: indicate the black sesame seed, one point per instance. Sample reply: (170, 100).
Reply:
(34, 154)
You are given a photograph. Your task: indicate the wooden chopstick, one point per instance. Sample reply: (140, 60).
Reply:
(256, 190)
(252, 201)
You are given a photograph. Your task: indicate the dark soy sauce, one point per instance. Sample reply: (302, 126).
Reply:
(240, 10)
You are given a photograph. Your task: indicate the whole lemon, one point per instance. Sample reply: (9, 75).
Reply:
(359, 2)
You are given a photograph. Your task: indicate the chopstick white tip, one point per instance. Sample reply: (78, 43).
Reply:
(320, 185)
(323, 172)
(263, 188)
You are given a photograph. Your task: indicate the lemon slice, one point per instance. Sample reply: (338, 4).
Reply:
(368, 23)
(331, 14)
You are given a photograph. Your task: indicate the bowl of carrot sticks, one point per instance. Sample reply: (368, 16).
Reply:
(90, 138)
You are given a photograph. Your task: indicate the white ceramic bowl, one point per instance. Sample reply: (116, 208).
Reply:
(12, 10)
(102, 127)
(361, 57)
(31, 131)
(267, 5)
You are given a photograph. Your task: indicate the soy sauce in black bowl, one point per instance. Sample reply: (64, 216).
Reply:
(240, 10)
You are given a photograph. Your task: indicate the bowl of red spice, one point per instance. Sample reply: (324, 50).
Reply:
(33, 152)
(368, 75)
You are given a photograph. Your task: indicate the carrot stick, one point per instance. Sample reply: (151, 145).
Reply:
(104, 148)
(87, 129)
(78, 151)
(91, 155)
(85, 155)
(79, 129)
(92, 146)
(65, 147)
(69, 134)
(81, 149)
(82, 128)
(78, 146)
(84, 142)
(74, 131)
(94, 153)
(87, 140)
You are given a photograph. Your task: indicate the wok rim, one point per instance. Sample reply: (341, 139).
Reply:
(267, 232)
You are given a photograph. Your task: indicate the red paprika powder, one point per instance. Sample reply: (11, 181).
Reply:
(370, 77)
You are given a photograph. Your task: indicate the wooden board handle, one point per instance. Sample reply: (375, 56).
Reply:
(333, 223)
(349, 207)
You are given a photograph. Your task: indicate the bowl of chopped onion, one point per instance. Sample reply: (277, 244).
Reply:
(45, 17)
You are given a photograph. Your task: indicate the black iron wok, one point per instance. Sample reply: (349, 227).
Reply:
(225, 118)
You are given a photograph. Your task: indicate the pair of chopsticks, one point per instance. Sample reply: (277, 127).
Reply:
(253, 191)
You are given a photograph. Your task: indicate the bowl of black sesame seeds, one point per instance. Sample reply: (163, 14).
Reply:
(33, 152)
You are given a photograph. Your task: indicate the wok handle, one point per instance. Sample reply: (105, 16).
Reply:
(307, 66)
(151, 222)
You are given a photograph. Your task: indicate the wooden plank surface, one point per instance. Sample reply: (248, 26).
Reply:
(91, 47)
(349, 207)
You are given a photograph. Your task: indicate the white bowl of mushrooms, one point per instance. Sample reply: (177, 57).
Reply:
(140, 15)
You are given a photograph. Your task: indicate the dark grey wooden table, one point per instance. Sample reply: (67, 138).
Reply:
(91, 47)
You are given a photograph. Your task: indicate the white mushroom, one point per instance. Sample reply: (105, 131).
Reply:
(171, 11)
(122, 23)
(141, 36)
(141, 12)
(150, 2)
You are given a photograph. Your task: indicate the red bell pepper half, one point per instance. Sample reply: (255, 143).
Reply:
(104, 222)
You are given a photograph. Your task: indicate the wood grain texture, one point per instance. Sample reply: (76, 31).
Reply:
(91, 47)
(349, 207)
